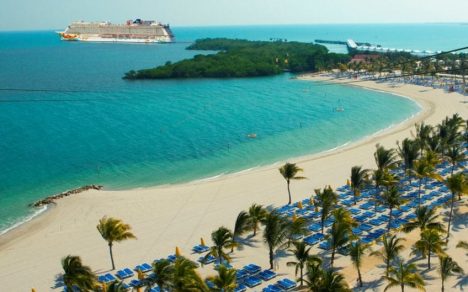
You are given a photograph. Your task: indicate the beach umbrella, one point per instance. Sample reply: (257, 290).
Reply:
(139, 289)
(33, 290)
(294, 217)
(348, 183)
(311, 201)
(202, 242)
(299, 205)
(177, 251)
(103, 286)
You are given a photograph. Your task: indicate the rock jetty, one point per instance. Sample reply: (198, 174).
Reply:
(51, 199)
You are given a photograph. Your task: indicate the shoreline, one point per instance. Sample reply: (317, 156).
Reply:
(185, 212)
(227, 175)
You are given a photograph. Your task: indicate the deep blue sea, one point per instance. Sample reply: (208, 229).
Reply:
(92, 127)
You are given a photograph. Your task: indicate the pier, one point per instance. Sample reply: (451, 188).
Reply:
(354, 46)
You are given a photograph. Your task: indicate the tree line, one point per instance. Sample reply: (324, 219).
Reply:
(243, 58)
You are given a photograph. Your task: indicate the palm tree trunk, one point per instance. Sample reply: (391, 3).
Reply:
(402, 287)
(450, 216)
(429, 260)
(387, 262)
(359, 277)
(271, 258)
(389, 219)
(289, 193)
(111, 255)
(419, 193)
(302, 276)
(255, 229)
(443, 286)
(332, 257)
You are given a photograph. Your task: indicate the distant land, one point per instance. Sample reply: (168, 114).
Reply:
(243, 58)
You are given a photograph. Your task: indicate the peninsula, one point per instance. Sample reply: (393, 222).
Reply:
(243, 58)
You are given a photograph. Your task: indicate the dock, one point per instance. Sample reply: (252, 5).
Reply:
(354, 46)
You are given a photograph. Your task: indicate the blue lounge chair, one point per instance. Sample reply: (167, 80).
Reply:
(267, 275)
(110, 278)
(252, 281)
(124, 274)
(311, 240)
(315, 227)
(136, 283)
(355, 211)
(324, 245)
(357, 231)
(144, 268)
(252, 269)
(241, 275)
(365, 227)
(200, 248)
(207, 260)
(155, 289)
(240, 288)
(172, 258)
(272, 288)
(287, 284)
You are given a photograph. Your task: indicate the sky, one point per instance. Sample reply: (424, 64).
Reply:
(57, 14)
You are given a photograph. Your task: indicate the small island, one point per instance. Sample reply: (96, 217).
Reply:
(242, 58)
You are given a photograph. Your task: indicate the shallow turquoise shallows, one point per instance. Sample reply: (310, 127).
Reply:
(95, 128)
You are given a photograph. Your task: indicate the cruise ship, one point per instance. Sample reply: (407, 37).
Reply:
(133, 31)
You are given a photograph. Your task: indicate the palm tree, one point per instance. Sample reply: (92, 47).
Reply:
(275, 233)
(358, 180)
(314, 274)
(423, 133)
(185, 277)
(116, 286)
(389, 179)
(385, 158)
(338, 237)
(448, 268)
(256, 214)
(430, 242)
(408, 152)
(114, 230)
(319, 280)
(423, 169)
(295, 227)
(289, 171)
(404, 275)
(343, 216)
(225, 281)
(391, 249)
(326, 201)
(378, 178)
(333, 281)
(457, 184)
(75, 274)
(426, 218)
(240, 227)
(165, 270)
(356, 251)
(455, 155)
(301, 252)
(222, 239)
(392, 199)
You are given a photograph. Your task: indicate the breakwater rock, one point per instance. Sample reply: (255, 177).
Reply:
(51, 199)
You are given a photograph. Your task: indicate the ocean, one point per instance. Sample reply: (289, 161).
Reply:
(88, 126)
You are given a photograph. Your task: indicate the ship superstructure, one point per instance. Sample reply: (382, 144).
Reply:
(137, 31)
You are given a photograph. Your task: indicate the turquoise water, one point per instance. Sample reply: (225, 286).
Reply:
(96, 128)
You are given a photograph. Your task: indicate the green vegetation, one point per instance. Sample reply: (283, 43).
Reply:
(284, 231)
(242, 58)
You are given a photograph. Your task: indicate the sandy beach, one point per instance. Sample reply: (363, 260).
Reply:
(178, 215)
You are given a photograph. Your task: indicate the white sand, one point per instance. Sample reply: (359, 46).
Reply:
(168, 216)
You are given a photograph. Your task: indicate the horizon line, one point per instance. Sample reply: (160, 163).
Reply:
(270, 24)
